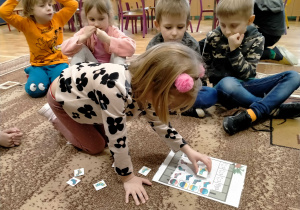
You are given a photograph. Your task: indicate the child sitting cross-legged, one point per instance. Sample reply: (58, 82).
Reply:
(99, 41)
(43, 30)
(231, 53)
(172, 18)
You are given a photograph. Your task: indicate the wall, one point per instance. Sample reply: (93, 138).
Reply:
(195, 6)
(293, 8)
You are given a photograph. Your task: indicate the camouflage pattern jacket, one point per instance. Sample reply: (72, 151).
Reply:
(187, 40)
(240, 63)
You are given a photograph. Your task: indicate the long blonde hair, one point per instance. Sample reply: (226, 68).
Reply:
(156, 70)
(102, 6)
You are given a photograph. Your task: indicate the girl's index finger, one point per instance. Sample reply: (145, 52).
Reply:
(208, 164)
(126, 197)
(195, 167)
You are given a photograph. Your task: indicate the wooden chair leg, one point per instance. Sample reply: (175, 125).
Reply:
(144, 26)
(127, 23)
(8, 27)
(152, 18)
(132, 26)
(200, 18)
(191, 26)
(122, 24)
(148, 18)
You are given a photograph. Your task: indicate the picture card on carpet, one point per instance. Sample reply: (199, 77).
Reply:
(9, 84)
(224, 183)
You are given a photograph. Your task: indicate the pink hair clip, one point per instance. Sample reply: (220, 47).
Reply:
(184, 83)
(202, 71)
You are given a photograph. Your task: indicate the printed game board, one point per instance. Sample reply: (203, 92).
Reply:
(224, 183)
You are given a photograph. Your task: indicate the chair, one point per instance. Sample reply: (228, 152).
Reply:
(78, 13)
(152, 13)
(146, 10)
(206, 10)
(127, 18)
(133, 15)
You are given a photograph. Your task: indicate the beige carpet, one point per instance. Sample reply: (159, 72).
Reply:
(34, 175)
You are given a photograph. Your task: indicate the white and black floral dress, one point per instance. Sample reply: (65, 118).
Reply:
(94, 93)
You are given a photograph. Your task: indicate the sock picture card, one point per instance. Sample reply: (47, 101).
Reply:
(100, 185)
(203, 172)
(79, 172)
(74, 181)
(144, 170)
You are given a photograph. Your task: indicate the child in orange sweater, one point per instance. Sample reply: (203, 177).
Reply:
(43, 30)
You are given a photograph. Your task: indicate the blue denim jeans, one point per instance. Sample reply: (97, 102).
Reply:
(206, 98)
(261, 95)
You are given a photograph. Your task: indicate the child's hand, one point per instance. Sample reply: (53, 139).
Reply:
(10, 137)
(195, 156)
(134, 185)
(103, 36)
(88, 31)
(235, 41)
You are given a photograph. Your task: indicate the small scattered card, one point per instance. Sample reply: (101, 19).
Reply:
(99, 185)
(145, 170)
(79, 172)
(203, 172)
(9, 84)
(73, 181)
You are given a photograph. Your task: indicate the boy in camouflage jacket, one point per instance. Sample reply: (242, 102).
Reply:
(232, 52)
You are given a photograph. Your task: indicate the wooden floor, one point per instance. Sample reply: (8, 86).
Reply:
(13, 43)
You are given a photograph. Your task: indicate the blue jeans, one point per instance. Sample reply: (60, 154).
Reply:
(260, 95)
(206, 98)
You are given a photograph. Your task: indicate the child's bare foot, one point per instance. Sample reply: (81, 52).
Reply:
(10, 137)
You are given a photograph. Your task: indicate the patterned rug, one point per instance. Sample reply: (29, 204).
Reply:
(34, 175)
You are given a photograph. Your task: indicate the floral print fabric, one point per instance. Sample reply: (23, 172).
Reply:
(94, 93)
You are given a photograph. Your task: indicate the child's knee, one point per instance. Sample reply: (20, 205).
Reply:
(227, 85)
(295, 77)
(206, 98)
(95, 150)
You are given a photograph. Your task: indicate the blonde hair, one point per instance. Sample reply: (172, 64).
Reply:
(226, 8)
(172, 8)
(28, 7)
(156, 70)
(102, 6)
